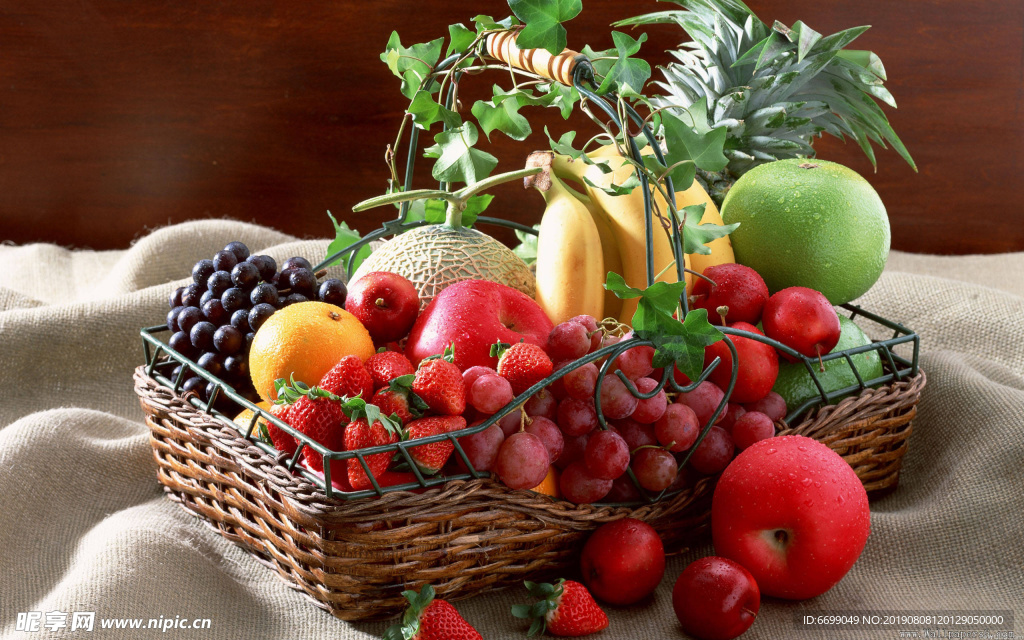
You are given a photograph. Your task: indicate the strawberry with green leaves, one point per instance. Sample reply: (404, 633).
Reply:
(565, 608)
(385, 366)
(269, 431)
(368, 428)
(439, 382)
(348, 378)
(398, 398)
(316, 413)
(431, 457)
(522, 364)
(430, 619)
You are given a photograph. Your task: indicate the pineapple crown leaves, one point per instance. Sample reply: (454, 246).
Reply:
(675, 342)
(410, 624)
(773, 88)
(549, 595)
(354, 407)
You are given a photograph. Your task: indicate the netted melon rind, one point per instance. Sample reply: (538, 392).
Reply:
(436, 256)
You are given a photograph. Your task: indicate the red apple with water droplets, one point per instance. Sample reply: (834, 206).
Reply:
(802, 319)
(385, 303)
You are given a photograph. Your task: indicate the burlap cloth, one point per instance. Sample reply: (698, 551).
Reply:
(85, 526)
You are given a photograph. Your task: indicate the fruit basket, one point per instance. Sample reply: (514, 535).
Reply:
(354, 552)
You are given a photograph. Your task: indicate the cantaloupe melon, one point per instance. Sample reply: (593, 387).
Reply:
(435, 256)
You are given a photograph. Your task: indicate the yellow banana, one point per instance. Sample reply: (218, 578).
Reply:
(570, 262)
(609, 249)
(627, 220)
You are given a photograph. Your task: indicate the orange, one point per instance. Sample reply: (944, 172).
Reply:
(243, 419)
(549, 485)
(305, 340)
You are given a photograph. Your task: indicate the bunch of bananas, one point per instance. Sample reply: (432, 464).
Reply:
(585, 233)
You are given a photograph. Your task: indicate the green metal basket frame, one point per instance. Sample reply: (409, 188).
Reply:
(161, 359)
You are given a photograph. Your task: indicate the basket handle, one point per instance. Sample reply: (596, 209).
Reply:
(501, 45)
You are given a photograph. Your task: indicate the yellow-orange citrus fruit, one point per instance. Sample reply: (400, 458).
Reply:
(243, 419)
(305, 340)
(549, 485)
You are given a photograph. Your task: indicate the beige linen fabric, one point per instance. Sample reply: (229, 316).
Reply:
(85, 526)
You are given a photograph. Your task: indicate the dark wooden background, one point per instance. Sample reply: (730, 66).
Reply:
(120, 116)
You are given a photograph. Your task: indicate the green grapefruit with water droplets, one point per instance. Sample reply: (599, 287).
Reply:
(809, 223)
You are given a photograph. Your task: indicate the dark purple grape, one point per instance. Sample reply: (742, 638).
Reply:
(333, 291)
(188, 317)
(194, 385)
(234, 299)
(267, 266)
(236, 366)
(248, 342)
(264, 294)
(219, 282)
(240, 320)
(245, 275)
(302, 281)
(212, 363)
(206, 297)
(224, 261)
(215, 313)
(259, 315)
(227, 340)
(175, 299)
(177, 371)
(293, 298)
(181, 343)
(172, 318)
(240, 250)
(296, 262)
(202, 335)
(201, 271)
(190, 297)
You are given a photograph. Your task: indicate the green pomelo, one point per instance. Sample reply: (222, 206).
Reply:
(795, 385)
(809, 223)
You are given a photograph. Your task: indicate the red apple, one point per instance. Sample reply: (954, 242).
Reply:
(473, 315)
(623, 561)
(738, 287)
(802, 319)
(792, 512)
(385, 303)
(758, 365)
(715, 599)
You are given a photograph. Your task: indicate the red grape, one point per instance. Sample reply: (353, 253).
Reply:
(549, 434)
(512, 422)
(635, 434)
(590, 324)
(607, 455)
(714, 453)
(557, 388)
(579, 486)
(753, 426)
(580, 382)
(481, 448)
(568, 341)
(623, 490)
(470, 375)
(636, 362)
(650, 409)
(542, 403)
(573, 450)
(655, 469)
(489, 393)
(772, 405)
(732, 413)
(616, 400)
(576, 417)
(703, 400)
(522, 461)
(678, 428)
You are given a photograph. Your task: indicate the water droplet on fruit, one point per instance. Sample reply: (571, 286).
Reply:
(792, 476)
(796, 193)
(801, 448)
(806, 482)
(809, 502)
(817, 216)
(769, 452)
(781, 200)
(839, 499)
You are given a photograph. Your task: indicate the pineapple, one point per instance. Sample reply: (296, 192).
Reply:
(774, 89)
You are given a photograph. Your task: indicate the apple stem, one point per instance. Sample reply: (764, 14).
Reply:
(821, 363)
(753, 614)
(722, 312)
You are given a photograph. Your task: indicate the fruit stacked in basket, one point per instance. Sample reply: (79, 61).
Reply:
(451, 411)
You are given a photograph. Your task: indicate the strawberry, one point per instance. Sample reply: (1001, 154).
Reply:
(348, 378)
(565, 608)
(430, 619)
(431, 457)
(522, 364)
(385, 366)
(281, 440)
(439, 382)
(359, 435)
(394, 402)
(320, 418)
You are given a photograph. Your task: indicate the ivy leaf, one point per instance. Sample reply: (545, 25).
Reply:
(487, 23)
(693, 137)
(411, 64)
(460, 38)
(343, 237)
(696, 235)
(527, 247)
(426, 111)
(457, 160)
(664, 296)
(565, 98)
(632, 182)
(563, 145)
(543, 19)
(627, 74)
(502, 113)
(681, 343)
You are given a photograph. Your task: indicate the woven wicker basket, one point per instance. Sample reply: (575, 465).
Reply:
(354, 558)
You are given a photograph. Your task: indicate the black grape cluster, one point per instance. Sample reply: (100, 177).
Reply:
(215, 318)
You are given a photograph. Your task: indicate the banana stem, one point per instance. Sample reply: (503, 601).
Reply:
(457, 199)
